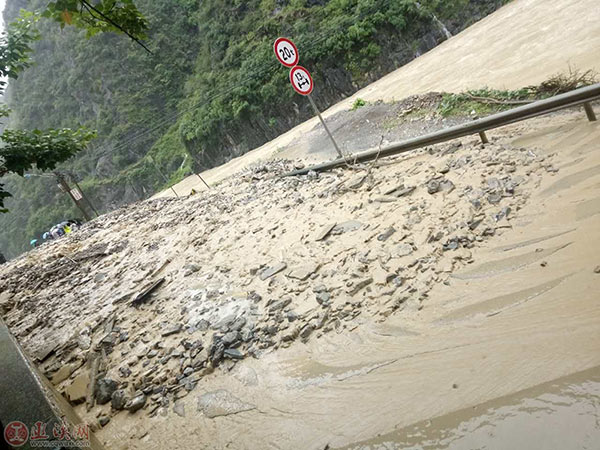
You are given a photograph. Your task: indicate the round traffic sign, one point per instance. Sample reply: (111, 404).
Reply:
(286, 52)
(301, 80)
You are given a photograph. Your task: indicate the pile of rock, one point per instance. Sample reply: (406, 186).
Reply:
(145, 301)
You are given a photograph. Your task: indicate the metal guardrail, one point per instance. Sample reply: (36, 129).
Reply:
(580, 96)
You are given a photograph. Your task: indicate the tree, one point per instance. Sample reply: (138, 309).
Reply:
(23, 150)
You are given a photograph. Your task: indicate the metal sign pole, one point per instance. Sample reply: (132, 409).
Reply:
(337, 149)
(202, 179)
(287, 54)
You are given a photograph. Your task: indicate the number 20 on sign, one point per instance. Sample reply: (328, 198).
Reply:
(286, 52)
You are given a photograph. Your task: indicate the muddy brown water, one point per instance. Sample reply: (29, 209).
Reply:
(558, 415)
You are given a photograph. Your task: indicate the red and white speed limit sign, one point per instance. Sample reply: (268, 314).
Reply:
(286, 52)
(301, 80)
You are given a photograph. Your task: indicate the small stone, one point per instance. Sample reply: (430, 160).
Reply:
(254, 296)
(404, 192)
(403, 250)
(200, 358)
(104, 390)
(188, 383)
(306, 331)
(189, 269)
(475, 223)
(231, 338)
(172, 330)
(46, 350)
(454, 386)
(269, 272)
(225, 322)
(233, 353)
(494, 184)
(360, 285)
(290, 334)
(136, 403)
(215, 352)
(446, 186)
(323, 298)
(504, 212)
(118, 399)
(597, 269)
(452, 244)
(124, 371)
(247, 334)
(544, 263)
(386, 234)
(303, 272)
(319, 288)
(238, 324)
(103, 420)
(433, 186)
(202, 325)
(494, 199)
(279, 305)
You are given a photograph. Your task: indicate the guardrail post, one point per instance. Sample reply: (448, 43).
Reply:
(589, 111)
(484, 138)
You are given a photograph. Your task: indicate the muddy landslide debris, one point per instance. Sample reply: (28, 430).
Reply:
(131, 312)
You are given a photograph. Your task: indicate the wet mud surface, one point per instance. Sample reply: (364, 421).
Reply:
(561, 414)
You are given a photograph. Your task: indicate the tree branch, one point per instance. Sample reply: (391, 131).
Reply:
(91, 8)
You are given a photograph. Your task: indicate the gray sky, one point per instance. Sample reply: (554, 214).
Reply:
(2, 3)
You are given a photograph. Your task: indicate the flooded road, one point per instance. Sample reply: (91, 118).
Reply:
(560, 415)
(505, 354)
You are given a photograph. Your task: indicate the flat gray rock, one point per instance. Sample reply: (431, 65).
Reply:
(269, 272)
(324, 231)
(345, 227)
(221, 403)
(303, 272)
(179, 408)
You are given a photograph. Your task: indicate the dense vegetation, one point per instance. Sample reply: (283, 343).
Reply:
(211, 88)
